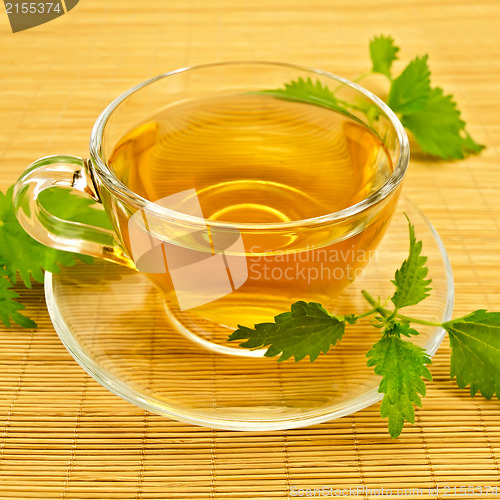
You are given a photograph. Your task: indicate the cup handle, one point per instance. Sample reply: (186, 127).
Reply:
(67, 172)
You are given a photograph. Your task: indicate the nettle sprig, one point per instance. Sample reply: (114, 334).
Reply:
(309, 330)
(430, 115)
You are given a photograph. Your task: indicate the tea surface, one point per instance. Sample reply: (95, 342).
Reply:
(253, 158)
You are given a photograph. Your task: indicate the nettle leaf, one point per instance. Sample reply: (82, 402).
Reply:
(20, 253)
(9, 307)
(410, 279)
(307, 91)
(401, 328)
(402, 367)
(307, 330)
(70, 205)
(410, 90)
(383, 53)
(475, 352)
(438, 128)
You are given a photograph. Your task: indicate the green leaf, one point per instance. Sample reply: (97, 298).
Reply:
(309, 92)
(70, 205)
(410, 90)
(307, 330)
(475, 352)
(383, 53)
(410, 279)
(9, 308)
(19, 253)
(469, 145)
(402, 367)
(438, 128)
(22, 254)
(401, 328)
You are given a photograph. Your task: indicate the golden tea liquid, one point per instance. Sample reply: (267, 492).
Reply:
(255, 158)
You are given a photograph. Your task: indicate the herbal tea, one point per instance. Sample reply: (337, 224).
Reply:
(257, 159)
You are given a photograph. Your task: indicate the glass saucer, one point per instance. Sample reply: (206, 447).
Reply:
(113, 322)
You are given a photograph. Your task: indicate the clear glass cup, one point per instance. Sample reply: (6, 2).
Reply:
(213, 307)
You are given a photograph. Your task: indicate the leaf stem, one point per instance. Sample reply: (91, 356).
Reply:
(375, 304)
(386, 313)
(369, 298)
(363, 76)
(354, 80)
(367, 313)
(418, 321)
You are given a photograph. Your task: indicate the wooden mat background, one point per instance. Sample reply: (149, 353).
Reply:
(61, 434)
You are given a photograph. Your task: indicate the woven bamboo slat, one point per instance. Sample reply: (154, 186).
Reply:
(64, 436)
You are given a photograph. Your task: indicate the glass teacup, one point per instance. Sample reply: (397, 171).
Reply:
(234, 201)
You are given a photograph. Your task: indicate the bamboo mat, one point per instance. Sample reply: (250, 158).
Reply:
(64, 436)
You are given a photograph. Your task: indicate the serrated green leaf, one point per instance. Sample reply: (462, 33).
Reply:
(19, 253)
(383, 53)
(22, 254)
(70, 205)
(401, 328)
(475, 352)
(410, 90)
(402, 367)
(9, 308)
(307, 330)
(438, 128)
(469, 144)
(309, 92)
(410, 279)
